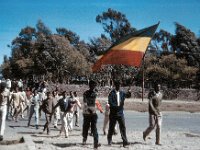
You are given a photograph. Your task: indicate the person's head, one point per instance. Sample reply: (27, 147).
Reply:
(54, 93)
(75, 93)
(16, 89)
(117, 84)
(70, 93)
(64, 94)
(2, 86)
(156, 87)
(28, 89)
(35, 92)
(49, 94)
(92, 84)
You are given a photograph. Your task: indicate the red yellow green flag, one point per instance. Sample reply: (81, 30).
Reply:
(129, 50)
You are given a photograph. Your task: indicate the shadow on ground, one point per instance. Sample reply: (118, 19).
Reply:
(12, 142)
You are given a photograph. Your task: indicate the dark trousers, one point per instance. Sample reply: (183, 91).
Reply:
(48, 121)
(112, 122)
(87, 121)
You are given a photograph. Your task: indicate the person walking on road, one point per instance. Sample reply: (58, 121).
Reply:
(155, 116)
(106, 120)
(35, 105)
(4, 97)
(116, 100)
(90, 115)
(56, 98)
(17, 100)
(47, 107)
(77, 108)
(64, 104)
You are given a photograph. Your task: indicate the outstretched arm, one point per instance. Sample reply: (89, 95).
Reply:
(99, 107)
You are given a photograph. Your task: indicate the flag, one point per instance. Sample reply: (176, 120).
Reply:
(128, 50)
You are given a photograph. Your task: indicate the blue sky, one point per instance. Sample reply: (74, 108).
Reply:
(79, 16)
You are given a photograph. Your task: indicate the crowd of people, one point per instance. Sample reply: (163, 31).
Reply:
(20, 100)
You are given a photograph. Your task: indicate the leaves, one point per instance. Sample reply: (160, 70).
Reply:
(114, 23)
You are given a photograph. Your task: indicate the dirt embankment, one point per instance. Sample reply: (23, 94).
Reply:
(167, 105)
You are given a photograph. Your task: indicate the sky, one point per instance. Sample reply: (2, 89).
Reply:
(80, 16)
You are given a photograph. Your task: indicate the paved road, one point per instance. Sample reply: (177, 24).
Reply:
(136, 122)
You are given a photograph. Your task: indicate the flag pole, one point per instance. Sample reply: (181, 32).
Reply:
(143, 81)
(143, 69)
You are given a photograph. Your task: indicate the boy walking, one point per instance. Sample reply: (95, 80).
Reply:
(89, 114)
(155, 116)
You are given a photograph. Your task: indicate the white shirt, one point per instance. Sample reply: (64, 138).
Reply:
(4, 97)
(118, 98)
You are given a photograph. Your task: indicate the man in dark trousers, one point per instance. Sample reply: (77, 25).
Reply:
(47, 107)
(116, 100)
(89, 114)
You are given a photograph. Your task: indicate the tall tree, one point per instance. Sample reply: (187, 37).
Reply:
(100, 45)
(55, 54)
(42, 28)
(21, 45)
(162, 41)
(75, 41)
(21, 52)
(174, 74)
(115, 24)
(70, 35)
(186, 45)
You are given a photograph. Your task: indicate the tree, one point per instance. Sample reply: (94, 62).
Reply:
(162, 41)
(115, 24)
(6, 68)
(99, 45)
(172, 75)
(42, 28)
(70, 35)
(186, 45)
(75, 41)
(55, 54)
(21, 52)
(21, 45)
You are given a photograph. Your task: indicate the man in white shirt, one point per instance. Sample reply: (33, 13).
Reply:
(4, 95)
(116, 100)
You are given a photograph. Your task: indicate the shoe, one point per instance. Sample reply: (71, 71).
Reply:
(1, 138)
(158, 143)
(97, 145)
(109, 143)
(36, 127)
(77, 125)
(144, 136)
(84, 142)
(104, 132)
(55, 127)
(48, 132)
(66, 136)
(125, 145)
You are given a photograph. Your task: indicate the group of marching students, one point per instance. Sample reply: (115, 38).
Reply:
(34, 100)
(65, 105)
(57, 105)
